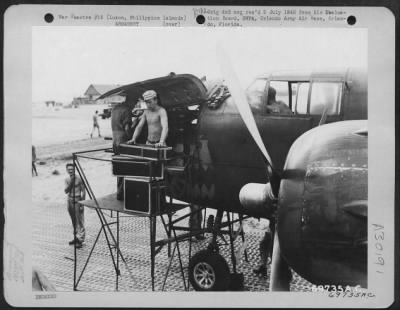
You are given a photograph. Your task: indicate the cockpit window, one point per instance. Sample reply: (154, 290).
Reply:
(257, 86)
(302, 98)
(282, 91)
(325, 96)
(255, 94)
(230, 106)
(295, 96)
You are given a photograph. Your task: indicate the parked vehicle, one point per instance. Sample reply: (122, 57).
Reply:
(106, 113)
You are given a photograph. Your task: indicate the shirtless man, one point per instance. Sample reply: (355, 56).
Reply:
(95, 124)
(157, 121)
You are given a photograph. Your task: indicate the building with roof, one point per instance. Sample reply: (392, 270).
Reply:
(94, 91)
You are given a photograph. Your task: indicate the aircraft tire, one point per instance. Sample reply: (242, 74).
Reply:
(208, 271)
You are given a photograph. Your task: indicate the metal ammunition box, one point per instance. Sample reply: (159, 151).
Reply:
(144, 196)
(126, 166)
(146, 151)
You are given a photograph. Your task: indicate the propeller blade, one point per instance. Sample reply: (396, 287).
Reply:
(323, 117)
(240, 100)
(362, 132)
(357, 208)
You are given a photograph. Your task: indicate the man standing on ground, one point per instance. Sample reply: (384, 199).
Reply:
(121, 123)
(95, 124)
(157, 121)
(76, 191)
(34, 171)
(265, 249)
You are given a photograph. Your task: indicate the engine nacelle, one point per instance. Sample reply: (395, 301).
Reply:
(322, 214)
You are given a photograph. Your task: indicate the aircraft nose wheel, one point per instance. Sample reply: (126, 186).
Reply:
(208, 271)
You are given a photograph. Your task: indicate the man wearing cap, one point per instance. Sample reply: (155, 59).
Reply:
(157, 121)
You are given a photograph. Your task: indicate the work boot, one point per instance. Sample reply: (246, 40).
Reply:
(262, 271)
(78, 244)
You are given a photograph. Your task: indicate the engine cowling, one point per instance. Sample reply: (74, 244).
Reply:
(322, 215)
(258, 198)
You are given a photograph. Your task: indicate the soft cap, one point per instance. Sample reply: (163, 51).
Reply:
(149, 94)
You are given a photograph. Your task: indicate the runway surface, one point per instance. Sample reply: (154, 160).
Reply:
(52, 230)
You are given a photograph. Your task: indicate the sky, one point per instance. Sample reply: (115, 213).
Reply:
(66, 60)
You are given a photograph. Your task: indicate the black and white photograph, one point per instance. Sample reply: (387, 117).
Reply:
(199, 159)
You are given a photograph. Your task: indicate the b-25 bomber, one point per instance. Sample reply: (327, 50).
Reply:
(315, 163)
